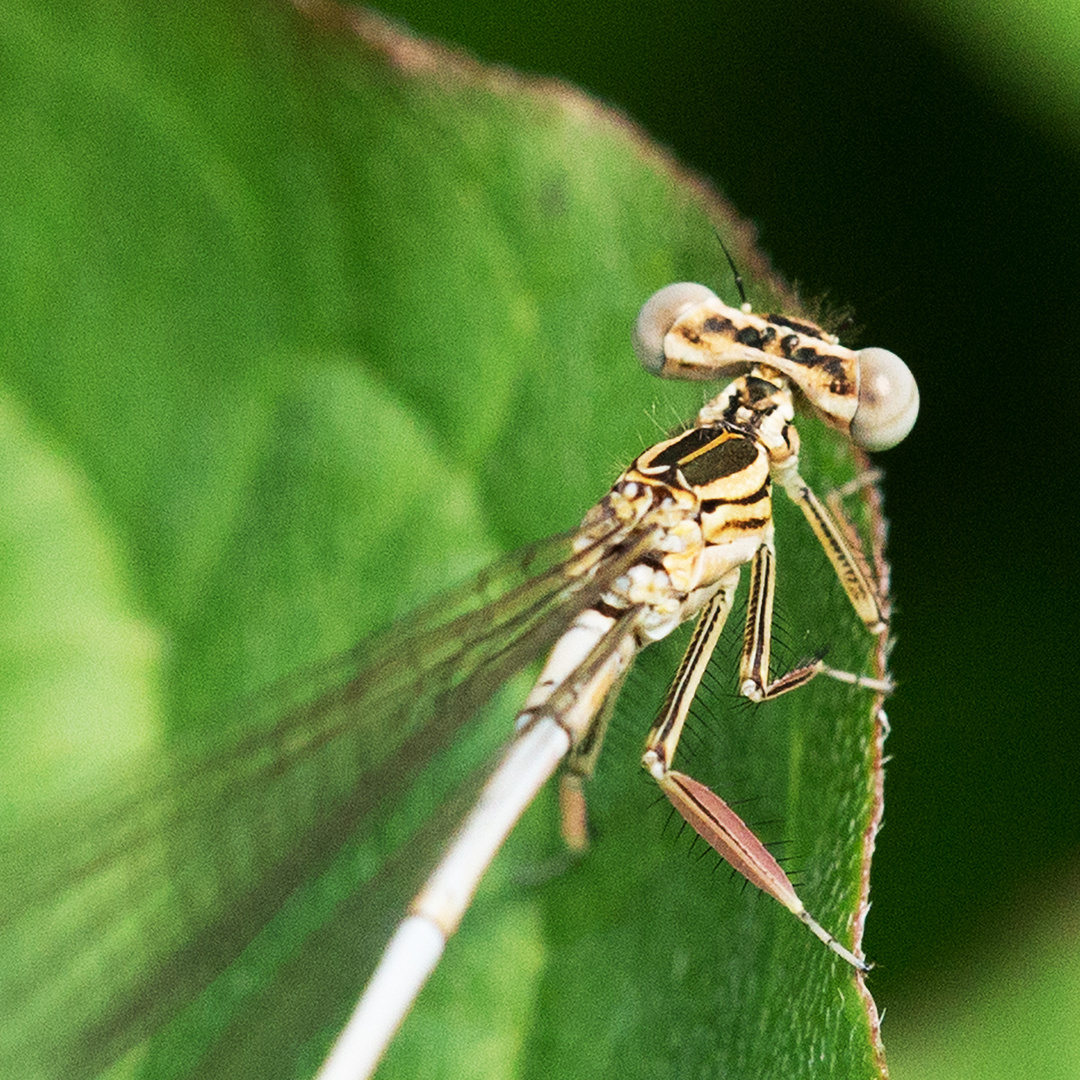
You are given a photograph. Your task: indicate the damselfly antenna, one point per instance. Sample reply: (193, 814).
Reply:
(744, 304)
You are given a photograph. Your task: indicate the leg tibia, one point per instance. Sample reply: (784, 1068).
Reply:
(720, 827)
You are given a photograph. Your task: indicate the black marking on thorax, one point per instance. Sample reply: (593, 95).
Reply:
(706, 454)
(710, 506)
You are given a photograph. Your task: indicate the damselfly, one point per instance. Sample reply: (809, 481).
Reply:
(666, 544)
(114, 919)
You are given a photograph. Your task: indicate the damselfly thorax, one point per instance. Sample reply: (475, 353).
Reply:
(669, 542)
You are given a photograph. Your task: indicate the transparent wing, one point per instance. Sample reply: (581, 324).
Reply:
(155, 914)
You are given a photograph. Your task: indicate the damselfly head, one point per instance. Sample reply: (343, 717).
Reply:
(685, 331)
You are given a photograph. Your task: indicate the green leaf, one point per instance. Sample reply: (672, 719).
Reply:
(303, 320)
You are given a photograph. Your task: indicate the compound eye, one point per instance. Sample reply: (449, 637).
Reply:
(659, 314)
(888, 400)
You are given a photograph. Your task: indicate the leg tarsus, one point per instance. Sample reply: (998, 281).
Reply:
(800, 676)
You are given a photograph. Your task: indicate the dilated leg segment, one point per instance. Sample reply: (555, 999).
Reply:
(724, 831)
(574, 812)
(709, 816)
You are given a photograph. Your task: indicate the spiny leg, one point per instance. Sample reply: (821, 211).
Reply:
(710, 817)
(667, 729)
(720, 827)
(868, 478)
(845, 557)
(754, 682)
(757, 635)
(854, 576)
(877, 573)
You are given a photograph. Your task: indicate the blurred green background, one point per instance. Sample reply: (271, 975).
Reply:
(922, 164)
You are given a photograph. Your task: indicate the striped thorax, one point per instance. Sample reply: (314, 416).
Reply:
(706, 497)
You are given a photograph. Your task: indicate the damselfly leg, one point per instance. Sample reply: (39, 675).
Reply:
(702, 809)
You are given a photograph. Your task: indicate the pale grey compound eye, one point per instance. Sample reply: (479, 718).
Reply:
(888, 400)
(659, 314)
